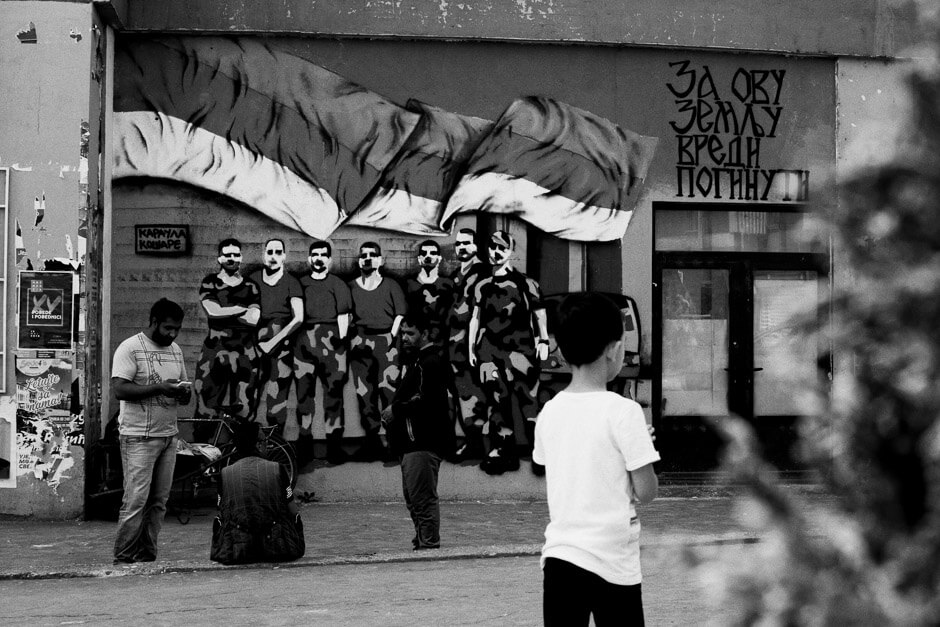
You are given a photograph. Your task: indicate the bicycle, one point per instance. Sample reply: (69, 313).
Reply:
(216, 454)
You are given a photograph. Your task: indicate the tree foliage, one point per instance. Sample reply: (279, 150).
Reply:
(872, 556)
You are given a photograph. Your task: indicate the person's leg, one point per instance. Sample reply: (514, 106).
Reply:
(386, 353)
(406, 465)
(420, 472)
(564, 594)
(155, 510)
(617, 605)
(138, 456)
(276, 386)
(332, 375)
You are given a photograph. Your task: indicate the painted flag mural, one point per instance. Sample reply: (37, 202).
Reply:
(280, 134)
(567, 171)
(414, 188)
(314, 151)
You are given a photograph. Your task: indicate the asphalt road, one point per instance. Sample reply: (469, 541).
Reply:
(504, 591)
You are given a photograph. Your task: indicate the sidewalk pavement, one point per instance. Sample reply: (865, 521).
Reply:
(355, 533)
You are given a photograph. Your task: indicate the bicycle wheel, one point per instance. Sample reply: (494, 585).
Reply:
(276, 449)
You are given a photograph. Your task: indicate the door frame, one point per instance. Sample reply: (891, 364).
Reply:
(741, 267)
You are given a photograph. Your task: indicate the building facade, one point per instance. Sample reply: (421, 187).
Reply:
(138, 135)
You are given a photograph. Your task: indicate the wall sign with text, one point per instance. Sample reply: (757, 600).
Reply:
(45, 310)
(166, 240)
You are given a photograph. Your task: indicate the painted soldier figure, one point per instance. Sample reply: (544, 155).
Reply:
(471, 401)
(320, 351)
(506, 350)
(226, 374)
(379, 306)
(282, 310)
(428, 293)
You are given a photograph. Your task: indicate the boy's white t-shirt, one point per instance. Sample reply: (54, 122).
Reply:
(588, 442)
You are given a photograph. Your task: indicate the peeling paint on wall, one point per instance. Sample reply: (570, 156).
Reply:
(74, 34)
(39, 208)
(28, 35)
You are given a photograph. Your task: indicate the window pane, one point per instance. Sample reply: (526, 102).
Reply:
(695, 342)
(784, 359)
(734, 231)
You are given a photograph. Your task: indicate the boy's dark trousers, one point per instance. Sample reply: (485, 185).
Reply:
(419, 470)
(571, 594)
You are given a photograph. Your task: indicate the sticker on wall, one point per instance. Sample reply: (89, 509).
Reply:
(45, 310)
(45, 425)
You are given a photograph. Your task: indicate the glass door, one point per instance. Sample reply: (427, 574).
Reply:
(727, 342)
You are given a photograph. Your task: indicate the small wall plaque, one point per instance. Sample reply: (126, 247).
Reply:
(165, 240)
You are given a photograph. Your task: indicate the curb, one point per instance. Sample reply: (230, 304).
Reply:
(445, 554)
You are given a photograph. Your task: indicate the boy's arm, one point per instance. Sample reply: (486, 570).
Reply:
(645, 483)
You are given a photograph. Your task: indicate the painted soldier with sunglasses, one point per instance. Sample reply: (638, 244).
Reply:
(508, 337)
(320, 352)
(379, 306)
(281, 314)
(471, 401)
(226, 374)
(428, 293)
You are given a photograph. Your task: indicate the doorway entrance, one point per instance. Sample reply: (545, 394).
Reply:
(727, 341)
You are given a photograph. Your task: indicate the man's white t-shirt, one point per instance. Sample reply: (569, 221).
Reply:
(140, 360)
(588, 443)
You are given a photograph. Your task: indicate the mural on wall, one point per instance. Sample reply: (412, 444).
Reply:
(314, 151)
(720, 130)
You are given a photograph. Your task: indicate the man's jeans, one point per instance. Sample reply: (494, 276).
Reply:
(419, 472)
(148, 476)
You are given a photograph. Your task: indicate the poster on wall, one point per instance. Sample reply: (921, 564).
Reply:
(7, 453)
(45, 426)
(45, 310)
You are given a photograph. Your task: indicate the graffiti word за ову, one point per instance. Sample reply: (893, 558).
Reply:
(719, 139)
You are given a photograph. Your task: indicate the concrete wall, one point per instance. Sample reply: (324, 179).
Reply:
(834, 27)
(46, 50)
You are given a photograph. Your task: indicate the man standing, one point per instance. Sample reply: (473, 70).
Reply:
(378, 305)
(227, 369)
(149, 380)
(471, 405)
(504, 346)
(430, 293)
(419, 430)
(282, 311)
(320, 352)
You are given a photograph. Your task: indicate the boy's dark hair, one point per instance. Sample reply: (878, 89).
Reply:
(321, 244)
(165, 309)
(417, 319)
(587, 323)
(245, 437)
(229, 241)
(469, 231)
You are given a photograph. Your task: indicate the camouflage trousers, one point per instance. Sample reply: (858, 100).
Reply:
(227, 374)
(320, 355)
(374, 370)
(277, 374)
(510, 381)
(471, 400)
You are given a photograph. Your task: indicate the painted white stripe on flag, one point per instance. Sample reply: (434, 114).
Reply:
(153, 144)
(497, 193)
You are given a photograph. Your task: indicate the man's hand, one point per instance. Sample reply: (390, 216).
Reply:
(652, 432)
(266, 347)
(473, 357)
(176, 389)
(387, 416)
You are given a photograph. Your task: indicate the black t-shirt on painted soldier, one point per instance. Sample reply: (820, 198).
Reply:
(275, 299)
(245, 294)
(325, 299)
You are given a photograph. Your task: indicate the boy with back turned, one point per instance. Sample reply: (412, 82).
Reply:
(598, 453)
